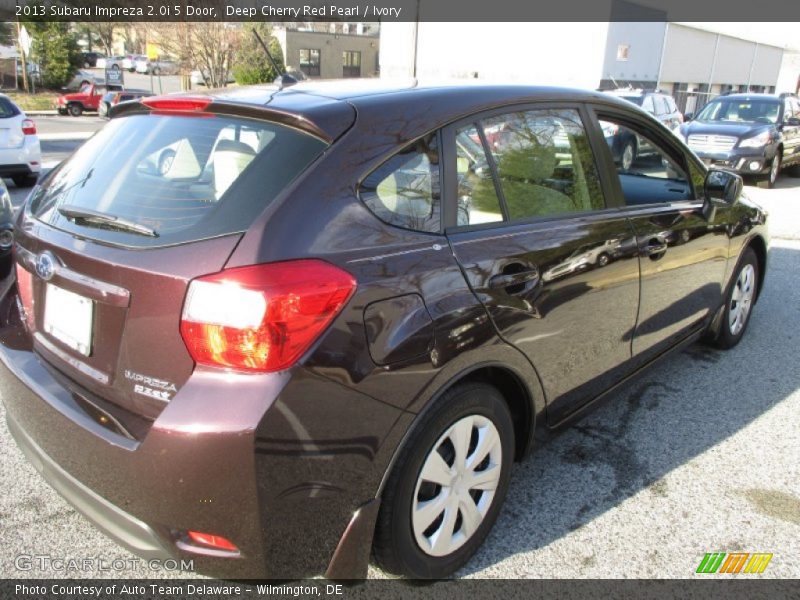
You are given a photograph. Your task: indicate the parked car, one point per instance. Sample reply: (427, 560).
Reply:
(662, 106)
(89, 59)
(201, 76)
(81, 79)
(86, 99)
(271, 354)
(20, 152)
(140, 64)
(130, 60)
(752, 134)
(162, 66)
(113, 98)
(111, 62)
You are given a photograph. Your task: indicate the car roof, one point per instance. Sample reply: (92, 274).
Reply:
(324, 102)
(750, 96)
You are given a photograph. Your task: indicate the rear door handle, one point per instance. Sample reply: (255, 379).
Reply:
(506, 280)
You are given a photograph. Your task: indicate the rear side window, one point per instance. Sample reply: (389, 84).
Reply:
(7, 109)
(181, 178)
(404, 191)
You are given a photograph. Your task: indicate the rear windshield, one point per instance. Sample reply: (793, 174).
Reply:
(172, 179)
(7, 109)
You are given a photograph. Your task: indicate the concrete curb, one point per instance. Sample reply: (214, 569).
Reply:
(40, 113)
(67, 135)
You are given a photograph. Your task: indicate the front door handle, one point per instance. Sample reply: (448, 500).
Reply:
(521, 278)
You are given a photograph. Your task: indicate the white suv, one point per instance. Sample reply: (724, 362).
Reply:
(20, 153)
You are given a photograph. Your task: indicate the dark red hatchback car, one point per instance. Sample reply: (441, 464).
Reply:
(282, 331)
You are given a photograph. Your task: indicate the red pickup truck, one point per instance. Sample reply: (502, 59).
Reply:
(88, 98)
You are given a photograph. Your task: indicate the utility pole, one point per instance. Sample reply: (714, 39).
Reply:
(24, 62)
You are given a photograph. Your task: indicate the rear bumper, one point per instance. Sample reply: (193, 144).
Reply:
(279, 465)
(25, 160)
(128, 531)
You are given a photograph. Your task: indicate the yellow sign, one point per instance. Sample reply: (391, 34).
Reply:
(152, 51)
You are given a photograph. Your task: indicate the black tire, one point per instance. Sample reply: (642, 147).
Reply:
(395, 547)
(156, 70)
(774, 170)
(75, 109)
(629, 146)
(603, 259)
(25, 181)
(726, 338)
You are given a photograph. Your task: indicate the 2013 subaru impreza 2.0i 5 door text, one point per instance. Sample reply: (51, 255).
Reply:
(282, 331)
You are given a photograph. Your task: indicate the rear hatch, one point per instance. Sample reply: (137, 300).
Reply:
(108, 244)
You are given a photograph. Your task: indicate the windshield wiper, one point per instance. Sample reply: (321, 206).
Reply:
(89, 217)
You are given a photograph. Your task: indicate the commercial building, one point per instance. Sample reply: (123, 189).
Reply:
(691, 63)
(330, 50)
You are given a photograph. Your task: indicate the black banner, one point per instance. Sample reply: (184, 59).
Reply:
(400, 10)
(208, 589)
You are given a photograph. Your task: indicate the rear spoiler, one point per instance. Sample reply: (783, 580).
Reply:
(198, 105)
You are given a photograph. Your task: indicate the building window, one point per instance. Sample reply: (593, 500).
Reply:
(622, 51)
(309, 62)
(351, 63)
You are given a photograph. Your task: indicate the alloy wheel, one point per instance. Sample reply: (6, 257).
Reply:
(627, 156)
(774, 169)
(456, 485)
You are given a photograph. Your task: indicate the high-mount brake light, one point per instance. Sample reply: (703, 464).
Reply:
(178, 103)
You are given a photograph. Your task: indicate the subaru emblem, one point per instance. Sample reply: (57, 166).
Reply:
(46, 266)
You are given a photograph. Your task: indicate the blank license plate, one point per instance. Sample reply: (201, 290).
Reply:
(68, 318)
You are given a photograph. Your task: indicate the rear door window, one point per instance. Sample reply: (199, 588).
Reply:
(544, 163)
(173, 178)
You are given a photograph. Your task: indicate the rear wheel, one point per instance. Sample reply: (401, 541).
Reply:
(739, 302)
(75, 110)
(448, 484)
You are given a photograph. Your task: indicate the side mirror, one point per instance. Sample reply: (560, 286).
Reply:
(793, 121)
(688, 117)
(720, 188)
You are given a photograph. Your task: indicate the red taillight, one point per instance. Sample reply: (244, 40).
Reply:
(212, 541)
(28, 127)
(178, 103)
(25, 288)
(264, 317)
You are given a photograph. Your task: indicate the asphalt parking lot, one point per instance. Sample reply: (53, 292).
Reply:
(700, 454)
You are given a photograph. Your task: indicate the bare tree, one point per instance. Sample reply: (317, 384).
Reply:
(207, 47)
